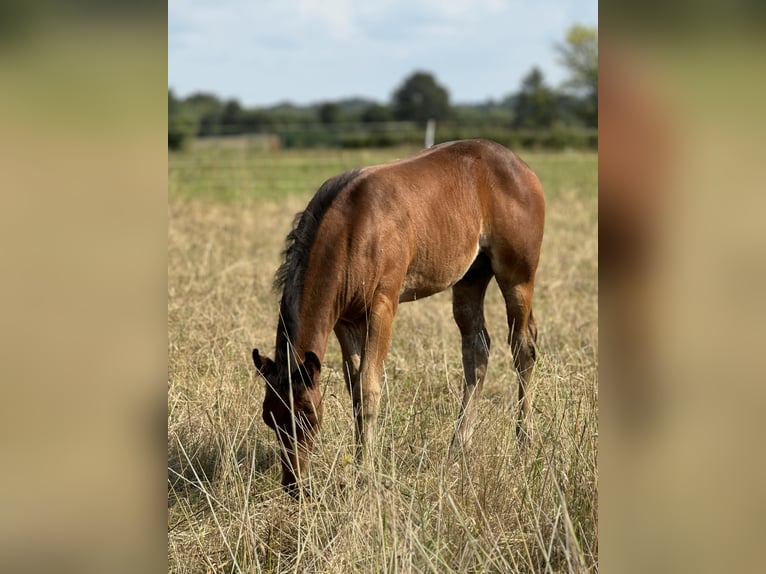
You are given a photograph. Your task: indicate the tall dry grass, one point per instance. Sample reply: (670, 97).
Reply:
(406, 509)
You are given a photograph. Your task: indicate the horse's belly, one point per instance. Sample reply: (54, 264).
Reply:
(429, 275)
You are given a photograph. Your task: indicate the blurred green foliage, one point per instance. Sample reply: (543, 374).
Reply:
(536, 116)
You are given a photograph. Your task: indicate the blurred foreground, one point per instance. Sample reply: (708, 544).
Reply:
(681, 282)
(83, 229)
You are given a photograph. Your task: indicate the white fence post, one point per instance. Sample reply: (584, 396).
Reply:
(430, 133)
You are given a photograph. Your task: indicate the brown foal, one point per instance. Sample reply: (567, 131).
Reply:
(454, 215)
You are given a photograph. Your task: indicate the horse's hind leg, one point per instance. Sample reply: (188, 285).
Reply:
(522, 338)
(468, 310)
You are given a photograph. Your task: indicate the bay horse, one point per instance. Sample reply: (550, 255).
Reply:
(454, 215)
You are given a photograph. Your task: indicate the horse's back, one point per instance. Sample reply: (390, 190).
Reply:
(426, 218)
(463, 173)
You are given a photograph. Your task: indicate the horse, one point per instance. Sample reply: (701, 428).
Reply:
(452, 216)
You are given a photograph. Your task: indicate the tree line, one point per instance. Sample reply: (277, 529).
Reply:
(537, 114)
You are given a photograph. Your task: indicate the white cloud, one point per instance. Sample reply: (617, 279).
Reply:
(337, 16)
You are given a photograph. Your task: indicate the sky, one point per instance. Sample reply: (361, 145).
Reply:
(263, 52)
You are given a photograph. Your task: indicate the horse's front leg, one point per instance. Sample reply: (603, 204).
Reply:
(366, 391)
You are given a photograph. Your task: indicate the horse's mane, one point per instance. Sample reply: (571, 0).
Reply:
(290, 276)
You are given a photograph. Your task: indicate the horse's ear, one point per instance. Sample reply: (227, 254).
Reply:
(311, 368)
(263, 364)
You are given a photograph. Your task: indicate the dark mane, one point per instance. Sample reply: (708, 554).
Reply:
(289, 278)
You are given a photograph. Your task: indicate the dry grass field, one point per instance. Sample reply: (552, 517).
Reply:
(406, 509)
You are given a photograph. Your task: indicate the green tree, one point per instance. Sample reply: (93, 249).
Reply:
(288, 114)
(535, 104)
(231, 118)
(181, 123)
(255, 120)
(329, 113)
(579, 54)
(420, 98)
(376, 113)
(209, 111)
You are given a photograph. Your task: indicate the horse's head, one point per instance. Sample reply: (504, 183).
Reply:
(292, 408)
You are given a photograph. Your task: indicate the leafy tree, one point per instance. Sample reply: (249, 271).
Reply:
(329, 113)
(181, 123)
(536, 105)
(420, 98)
(202, 102)
(488, 114)
(208, 109)
(569, 109)
(579, 54)
(351, 109)
(254, 120)
(288, 114)
(376, 113)
(231, 117)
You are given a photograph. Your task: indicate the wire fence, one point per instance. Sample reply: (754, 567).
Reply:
(391, 134)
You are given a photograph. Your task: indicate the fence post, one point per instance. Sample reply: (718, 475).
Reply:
(430, 133)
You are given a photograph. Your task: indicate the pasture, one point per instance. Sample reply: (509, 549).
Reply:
(406, 509)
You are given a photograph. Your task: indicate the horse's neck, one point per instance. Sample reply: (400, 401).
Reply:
(306, 328)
